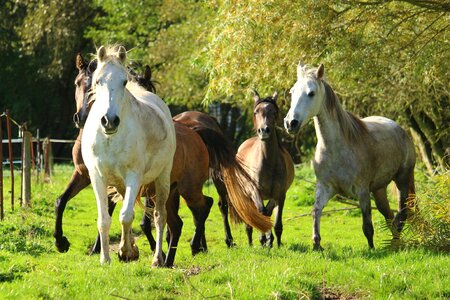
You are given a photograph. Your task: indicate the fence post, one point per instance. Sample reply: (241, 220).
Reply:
(48, 159)
(10, 154)
(26, 163)
(1, 173)
(38, 155)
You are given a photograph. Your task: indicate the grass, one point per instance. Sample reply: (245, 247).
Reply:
(31, 268)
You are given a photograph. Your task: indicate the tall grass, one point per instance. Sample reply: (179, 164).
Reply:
(429, 224)
(31, 268)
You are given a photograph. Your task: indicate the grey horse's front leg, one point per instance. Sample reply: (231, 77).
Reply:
(323, 194)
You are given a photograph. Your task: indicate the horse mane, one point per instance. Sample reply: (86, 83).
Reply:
(353, 128)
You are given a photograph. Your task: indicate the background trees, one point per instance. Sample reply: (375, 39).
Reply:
(382, 57)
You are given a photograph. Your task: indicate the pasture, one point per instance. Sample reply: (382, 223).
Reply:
(31, 268)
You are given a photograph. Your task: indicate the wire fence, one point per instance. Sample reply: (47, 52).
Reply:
(35, 154)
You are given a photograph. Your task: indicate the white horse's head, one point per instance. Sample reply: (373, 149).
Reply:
(110, 79)
(308, 95)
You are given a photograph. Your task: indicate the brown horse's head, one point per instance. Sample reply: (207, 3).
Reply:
(83, 92)
(265, 115)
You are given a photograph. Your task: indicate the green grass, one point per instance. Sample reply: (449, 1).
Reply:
(31, 268)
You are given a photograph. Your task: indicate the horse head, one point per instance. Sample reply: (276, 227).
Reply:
(308, 95)
(83, 94)
(110, 79)
(265, 115)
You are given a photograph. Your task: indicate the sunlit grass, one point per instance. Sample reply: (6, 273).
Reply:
(31, 268)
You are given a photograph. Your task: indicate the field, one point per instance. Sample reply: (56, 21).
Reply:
(31, 268)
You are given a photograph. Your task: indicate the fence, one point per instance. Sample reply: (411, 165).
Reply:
(36, 153)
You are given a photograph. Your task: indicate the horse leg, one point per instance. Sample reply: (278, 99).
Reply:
(128, 251)
(200, 213)
(223, 206)
(366, 209)
(266, 238)
(323, 194)
(402, 181)
(111, 206)
(76, 184)
(104, 219)
(383, 207)
(249, 231)
(278, 226)
(162, 186)
(146, 225)
(174, 224)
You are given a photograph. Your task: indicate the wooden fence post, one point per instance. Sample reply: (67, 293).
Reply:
(26, 163)
(1, 173)
(38, 155)
(48, 159)
(10, 154)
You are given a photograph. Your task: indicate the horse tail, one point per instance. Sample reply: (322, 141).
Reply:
(243, 193)
(411, 200)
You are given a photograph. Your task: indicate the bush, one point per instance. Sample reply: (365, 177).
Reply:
(429, 225)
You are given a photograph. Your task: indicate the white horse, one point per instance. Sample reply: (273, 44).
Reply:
(128, 141)
(353, 157)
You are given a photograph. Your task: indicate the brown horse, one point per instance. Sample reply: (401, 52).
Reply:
(223, 157)
(271, 165)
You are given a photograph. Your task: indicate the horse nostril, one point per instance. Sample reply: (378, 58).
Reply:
(116, 121)
(294, 124)
(76, 118)
(104, 121)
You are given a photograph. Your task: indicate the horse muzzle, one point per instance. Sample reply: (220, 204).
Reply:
(291, 126)
(110, 124)
(263, 133)
(79, 120)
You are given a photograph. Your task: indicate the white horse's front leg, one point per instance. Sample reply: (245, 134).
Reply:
(323, 194)
(104, 219)
(128, 251)
(162, 186)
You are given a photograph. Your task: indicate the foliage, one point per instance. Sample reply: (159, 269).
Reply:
(382, 57)
(429, 226)
(37, 61)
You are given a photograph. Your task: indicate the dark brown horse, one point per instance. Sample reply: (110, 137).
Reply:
(224, 159)
(270, 164)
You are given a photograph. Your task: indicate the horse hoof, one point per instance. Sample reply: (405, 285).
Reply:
(157, 262)
(317, 248)
(197, 251)
(62, 244)
(127, 256)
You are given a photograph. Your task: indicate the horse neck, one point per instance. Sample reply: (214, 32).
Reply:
(270, 148)
(326, 123)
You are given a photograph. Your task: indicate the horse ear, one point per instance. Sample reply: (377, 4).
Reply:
(147, 73)
(320, 71)
(92, 66)
(255, 95)
(122, 53)
(300, 67)
(275, 96)
(80, 62)
(101, 54)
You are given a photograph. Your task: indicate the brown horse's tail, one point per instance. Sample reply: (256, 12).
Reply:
(242, 189)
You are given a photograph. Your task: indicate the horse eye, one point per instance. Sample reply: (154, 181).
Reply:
(311, 94)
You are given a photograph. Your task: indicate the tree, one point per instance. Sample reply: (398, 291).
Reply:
(383, 57)
(42, 38)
